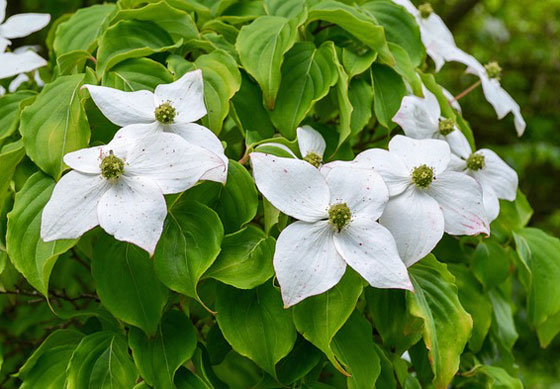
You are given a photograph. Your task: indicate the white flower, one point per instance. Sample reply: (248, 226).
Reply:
(19, 26)
(426, 197)
(420, 118)
(311, 145)
(337, 214)
(172, 108)
(497, 179)
(454, 103)
(433, 31)
(120, 186)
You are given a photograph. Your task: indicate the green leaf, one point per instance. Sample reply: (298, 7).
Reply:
(261, 46)
(357, 63)
(72, 62)
(222, 80)
(405, 68)
(238, 199)
(100, 361)
(143, 39)
(318, 318)
(389, 90)
(10, 156)
(490, 264)
(291, 9)
(548, 330)
(361, 25)
(503, 326)
(360, 94)
(30, 255)
(126, 283)
(307, 75)
(81, 31)
(177, 23)
(400, 28)
(514, 215)
(188, 246)
(158, 358)
(497, 377)
(137, 74)
(10, 109)
(186, 379)
(353, 345)
(245, 260)
(255, 324)
(447, 326)
(345, 107)
(299, 362)
(541, 253)
(55, 124)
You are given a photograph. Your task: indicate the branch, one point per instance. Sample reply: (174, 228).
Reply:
(458, 12)
(57, 295)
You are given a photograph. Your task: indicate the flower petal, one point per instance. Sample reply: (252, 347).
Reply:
(4, 43)
(133, 210)
(497, 174)
(3, 5)
(123, 108)
(432, 152)
(306, 261)
(12, 64)
(310, 141)
(16, 82)
(21, 25)
(457, 164)
(293, 186)
(490, 201)
(458, 143)
(449, 96)
(86, 160)
(502, 102)
(460, 199)
(186, 95)
(201, 136)
(170, 161)
(370, 249)
(363, 190)
(418, 117)
(416, 222)
(392, 168)
(72, 208)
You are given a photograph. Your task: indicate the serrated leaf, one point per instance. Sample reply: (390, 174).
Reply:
(55, 124)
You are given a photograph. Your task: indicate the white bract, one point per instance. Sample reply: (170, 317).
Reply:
(311, 145)
(420, 118)
(120, 186)
(171, 108)
(426, 197)
(336, 226)
(497, 179)
(19, 26)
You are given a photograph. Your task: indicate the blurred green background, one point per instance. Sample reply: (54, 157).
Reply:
(524, 37)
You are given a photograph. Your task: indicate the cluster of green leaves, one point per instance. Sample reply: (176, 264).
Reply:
(205, 311)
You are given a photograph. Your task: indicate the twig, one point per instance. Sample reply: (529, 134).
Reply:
(57, 295)
(466, 91)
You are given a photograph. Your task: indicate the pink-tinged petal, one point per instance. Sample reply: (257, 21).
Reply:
(12, 64)
(458, 143)
(72, 208)
(370, 249)
(416, 222)
(460, 199)
(434, 153)
(124, 108)
(293, 186)
(362, 189)
(133, 210)
(498, 175)
(186, 95)
(170, 161)
(417, 118)
(310, 141)
(21, 25)
(203, 137)
(391, 168)
(306, 261)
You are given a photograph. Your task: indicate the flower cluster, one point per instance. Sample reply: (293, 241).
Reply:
(24, 59)
(158, 150)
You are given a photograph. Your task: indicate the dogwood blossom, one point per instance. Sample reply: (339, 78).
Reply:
(336, 226)
(23, 77)
(171, 108)
(19, 26)
(497, 179)
(120, 186)
(420, 118)
(489, 76)
(426, 196)
(311, 144)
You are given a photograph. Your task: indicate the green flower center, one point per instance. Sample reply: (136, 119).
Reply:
(476, 162)
(112, 167)
(446, 126)
(425, 10)
(339, 216)
(313, 159)
(493, 70)
(165, 113)
(423, 176)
